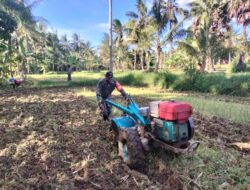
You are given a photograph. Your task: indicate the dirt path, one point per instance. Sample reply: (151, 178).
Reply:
(52, 139)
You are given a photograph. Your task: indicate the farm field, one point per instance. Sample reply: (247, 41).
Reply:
(186, 63)
(54, 138)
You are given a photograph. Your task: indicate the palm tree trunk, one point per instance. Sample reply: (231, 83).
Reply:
(9, 53)
(110, 37)
(142, 60)
(209, 64)
(163, 60)
(158, 55)
(171, 43)
(28, 68)
(244, 37)
(170, 48)
(148, 62)
(135, 60)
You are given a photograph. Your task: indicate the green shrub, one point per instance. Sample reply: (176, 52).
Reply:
(165, 80)
(234, 67)
(191, 80)
(237, 84)
(133, 80)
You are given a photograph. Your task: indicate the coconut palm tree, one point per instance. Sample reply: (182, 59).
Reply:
(209, 24)
(137, 29)
(172, 10)
(197, 48)
(104, 50)
(119, 40)
(240, 10)
(77, 45)
(160, 20)
(53, 52)
(132, 38)
(89, 54)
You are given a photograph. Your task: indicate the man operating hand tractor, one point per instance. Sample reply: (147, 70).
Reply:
(104, 89)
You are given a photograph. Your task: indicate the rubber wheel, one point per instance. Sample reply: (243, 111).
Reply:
(115, 130)
(190, 131)
(131, 148)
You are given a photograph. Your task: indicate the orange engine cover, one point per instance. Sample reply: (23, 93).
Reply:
(175, 111)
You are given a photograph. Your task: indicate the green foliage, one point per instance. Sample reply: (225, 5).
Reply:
(235, 67)
(8, 25)
(165, 80)
(177, 60)
(133, 80)
(232, 66)
(191, 80)
(216, 83)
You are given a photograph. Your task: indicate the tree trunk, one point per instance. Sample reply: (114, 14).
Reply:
(142, 60)
(244, 37)
(171, 43)
(9, 53)
(110, 37)
(135, 60)
(120, 60)
(158, 55)
(170, 48)
(148, 62)
(209, 62)
(163, 60)
(202, 65)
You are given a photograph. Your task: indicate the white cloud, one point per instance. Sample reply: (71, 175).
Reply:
(103, 26)
(184, 2)
(149, 4)
(69, 32)
(187, 23)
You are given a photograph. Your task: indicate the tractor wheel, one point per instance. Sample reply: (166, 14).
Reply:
(190, 129)
(115, 130)
(130, 148)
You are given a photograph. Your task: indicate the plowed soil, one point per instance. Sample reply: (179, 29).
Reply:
(53, 139)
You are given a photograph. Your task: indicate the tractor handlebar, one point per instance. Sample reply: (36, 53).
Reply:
(132, 109)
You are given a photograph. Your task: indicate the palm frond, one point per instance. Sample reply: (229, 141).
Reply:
(180, 34)
(175, 32)
(187, 47)
(132, 15)
(141, 7)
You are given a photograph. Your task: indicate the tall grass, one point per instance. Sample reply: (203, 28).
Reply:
(216, 83)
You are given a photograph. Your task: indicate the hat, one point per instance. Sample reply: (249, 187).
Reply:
(109, 74)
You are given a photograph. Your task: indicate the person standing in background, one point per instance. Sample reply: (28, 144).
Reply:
(69, 72)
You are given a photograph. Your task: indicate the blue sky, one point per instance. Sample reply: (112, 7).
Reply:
(89, 18)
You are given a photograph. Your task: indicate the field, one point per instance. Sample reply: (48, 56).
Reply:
(54, 138)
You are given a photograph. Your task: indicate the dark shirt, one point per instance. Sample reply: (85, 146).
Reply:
(69, 70)
(105, 88)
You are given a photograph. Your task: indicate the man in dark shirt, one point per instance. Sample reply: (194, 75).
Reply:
(104, 89)
(69, 72)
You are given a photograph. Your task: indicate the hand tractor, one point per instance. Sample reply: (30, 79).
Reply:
(165, 123)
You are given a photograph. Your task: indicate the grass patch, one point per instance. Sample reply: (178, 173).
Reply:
(216, 83)
(228, 110)
(211, 167)
(232, 111)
